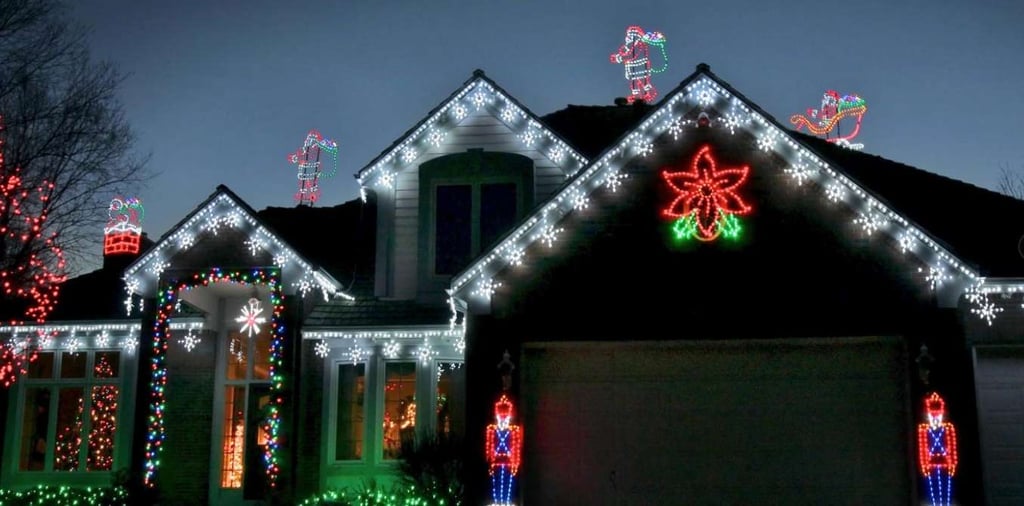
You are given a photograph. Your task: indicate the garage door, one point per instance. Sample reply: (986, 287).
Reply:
(999, 378)
(809, 421)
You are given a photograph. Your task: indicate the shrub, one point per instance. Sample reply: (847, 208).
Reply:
(60, 495)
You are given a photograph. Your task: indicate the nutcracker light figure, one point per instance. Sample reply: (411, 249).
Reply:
(635, 55)
(504, 446)
(936, 439)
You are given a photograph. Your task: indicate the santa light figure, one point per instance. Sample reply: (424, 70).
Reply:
(308, 159)
(504, 445)
(635, 56)
(937, 456)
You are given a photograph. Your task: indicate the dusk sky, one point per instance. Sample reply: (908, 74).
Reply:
(221, 92)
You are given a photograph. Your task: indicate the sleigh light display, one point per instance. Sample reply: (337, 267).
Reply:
(828, 119)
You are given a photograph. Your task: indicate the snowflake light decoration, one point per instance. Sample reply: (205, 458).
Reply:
(255, 244)
(479, 99)
(870, 221)
(190, 341)
(409, 154)
(508, 114)
(643, 147)
(907, 242)
(186, 241)
(766, 141)
(613, 180)
(550, 234)
(800, 172)
(45, 341)
(705, 96)
(158, 268)
(233, 219)
(103, 339)
(487, 287)
(322, 349)
(459, 111)
(436, 137)
(304, 285)
(460, 345)
(391, 349)
(674, 126)
(425, 353)
(529, 137)
(515, 257)
(250, 317)
(130, 343)
(281, 260)
(580, 200)
(213, 224)
(556, 154)
(387, 179)
(17, 345)
(835, 192)
(936, 275)
(355, 354)
(733, 121)
(73, 344)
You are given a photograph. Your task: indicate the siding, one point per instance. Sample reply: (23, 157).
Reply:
(480, 130)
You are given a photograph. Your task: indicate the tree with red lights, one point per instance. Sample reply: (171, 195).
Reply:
(31, 262)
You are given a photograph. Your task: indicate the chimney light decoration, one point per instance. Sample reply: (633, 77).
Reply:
(124, 226)
(308, 159)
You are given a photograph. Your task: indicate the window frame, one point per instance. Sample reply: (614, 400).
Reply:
(372, 460)
(474, 168)
(13, 476)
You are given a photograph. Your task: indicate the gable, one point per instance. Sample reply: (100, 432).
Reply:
(225, 214)
(479, 114)
(872, 217)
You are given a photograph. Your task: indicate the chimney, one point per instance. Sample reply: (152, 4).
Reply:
(123, 236)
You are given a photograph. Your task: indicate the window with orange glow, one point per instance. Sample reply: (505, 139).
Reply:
(232, 464)
(399, 408)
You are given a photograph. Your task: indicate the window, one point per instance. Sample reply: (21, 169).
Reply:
(69, 415)
(351, 411)
(399, 408)
(449, 406)
(468, 201)
(246, 393)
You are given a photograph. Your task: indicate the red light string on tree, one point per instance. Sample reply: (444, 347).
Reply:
(706, 201)
(635, 56)
(937, 454)
(31, 263)
(308, 159)
(167, 298)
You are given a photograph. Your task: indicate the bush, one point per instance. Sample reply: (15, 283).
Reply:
(372, 494)
(65, 496)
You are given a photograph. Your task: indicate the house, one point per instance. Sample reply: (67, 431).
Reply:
(700, 305)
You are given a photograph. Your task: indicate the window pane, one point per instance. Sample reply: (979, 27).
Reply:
(232, 463)
(72, 365)
(237, 356)
(451, 387)
(103, 423)
(35, 424)
(70, 405)
(351, 395)
(399, 407)
(42, 366)
(497, 211)
(261, 367)
(453, 240)
(108, 364)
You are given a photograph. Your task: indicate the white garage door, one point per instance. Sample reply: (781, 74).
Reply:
(999, 378)
(810, 421)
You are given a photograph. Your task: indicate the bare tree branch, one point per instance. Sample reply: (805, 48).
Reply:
(1011, 182)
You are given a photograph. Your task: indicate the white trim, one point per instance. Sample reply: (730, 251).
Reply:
(433, 132)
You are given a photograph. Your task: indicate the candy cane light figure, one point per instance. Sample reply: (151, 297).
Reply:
(635, 55)
(504, 446)
(936, 439)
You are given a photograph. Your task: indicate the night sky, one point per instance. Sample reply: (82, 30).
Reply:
(221, 92)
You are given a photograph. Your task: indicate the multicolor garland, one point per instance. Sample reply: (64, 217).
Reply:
(167, 299)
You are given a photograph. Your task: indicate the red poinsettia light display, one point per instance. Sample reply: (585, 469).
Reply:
(707, 200)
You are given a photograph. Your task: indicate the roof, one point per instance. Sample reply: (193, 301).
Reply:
(921, 212)
(374, 312)
(478, 92)
(225, 210)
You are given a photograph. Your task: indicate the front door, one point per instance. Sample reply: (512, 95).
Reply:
(240, 436)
